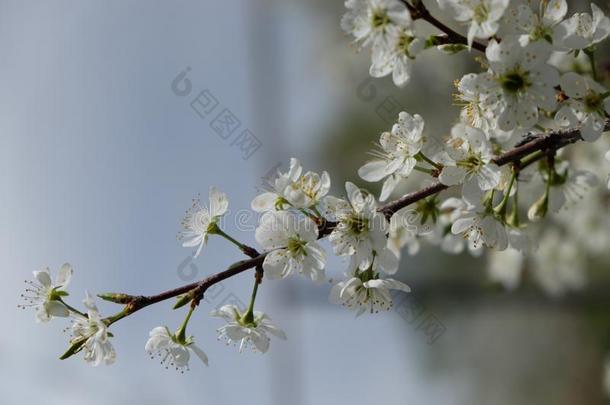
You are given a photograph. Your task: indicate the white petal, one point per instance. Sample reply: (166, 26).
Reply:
(387, 261)
(43, 277)
(56, 308)
(219, 202)
(452, 175)
(554, 12)
(373, 171)
(264, 202)
(64, 276)
(200, 353)
(275, 264)
(388, 186)
(260, 341)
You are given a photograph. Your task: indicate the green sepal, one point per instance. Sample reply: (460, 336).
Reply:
(73, 349)
(182, 300)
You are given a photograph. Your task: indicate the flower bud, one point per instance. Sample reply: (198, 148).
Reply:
(539, 209)
(117, 298)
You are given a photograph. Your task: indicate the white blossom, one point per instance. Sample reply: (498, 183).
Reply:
(518, 83)
(471, 165)
(583, 30)
(374, 22)
(403, 232)
(482, 16)
(505, 267)
(91, 333)
(449, 211)
(587, 106)
(254, 333)
(292, 244)
(480, 226)
(558, 264)
(172, 351)
(397, 58)
(396, 157)
(468, 98)
(366, 292)
(360, 230)
(200, 220)
(535, 25)
(44, 295)
(291, 189)
(567, 188)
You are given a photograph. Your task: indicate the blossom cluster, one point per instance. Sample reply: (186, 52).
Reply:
(523, 92)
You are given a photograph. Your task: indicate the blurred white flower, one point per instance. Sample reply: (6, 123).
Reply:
(398, 57)
(403, 231)
(608, 159)
(505, 267)
(360, 230)
(587, 106)
(482, 16)
(91, 334)
(471, 153)
(518, 83)
(291, 189)
(173, 351)
(200, 220)
(395, 158)
(292, 244)
(583, 30)
(567, 188)
(246, 333)
(374, 22)
(559, 264)
(45, 296)
(606, 377)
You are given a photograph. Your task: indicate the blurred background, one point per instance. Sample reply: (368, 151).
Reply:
(111, 121)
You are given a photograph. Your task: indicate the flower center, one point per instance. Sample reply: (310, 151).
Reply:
(357, 224)
(592, 102)
(404, 41)
(515, 81)
(367, 275)
(473, 163)
(541, 32)
(481, 13)
(380, 18)
(296, 247)
(281, 203)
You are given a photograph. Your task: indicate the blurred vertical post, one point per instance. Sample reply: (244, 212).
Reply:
(269, 110)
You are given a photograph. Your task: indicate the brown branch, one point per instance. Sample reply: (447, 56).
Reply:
(552, 141)
(544, 143)
(420, 12)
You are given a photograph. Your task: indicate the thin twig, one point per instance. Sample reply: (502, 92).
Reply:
(420, 12)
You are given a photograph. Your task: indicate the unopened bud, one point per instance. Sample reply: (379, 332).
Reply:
(117, 298)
